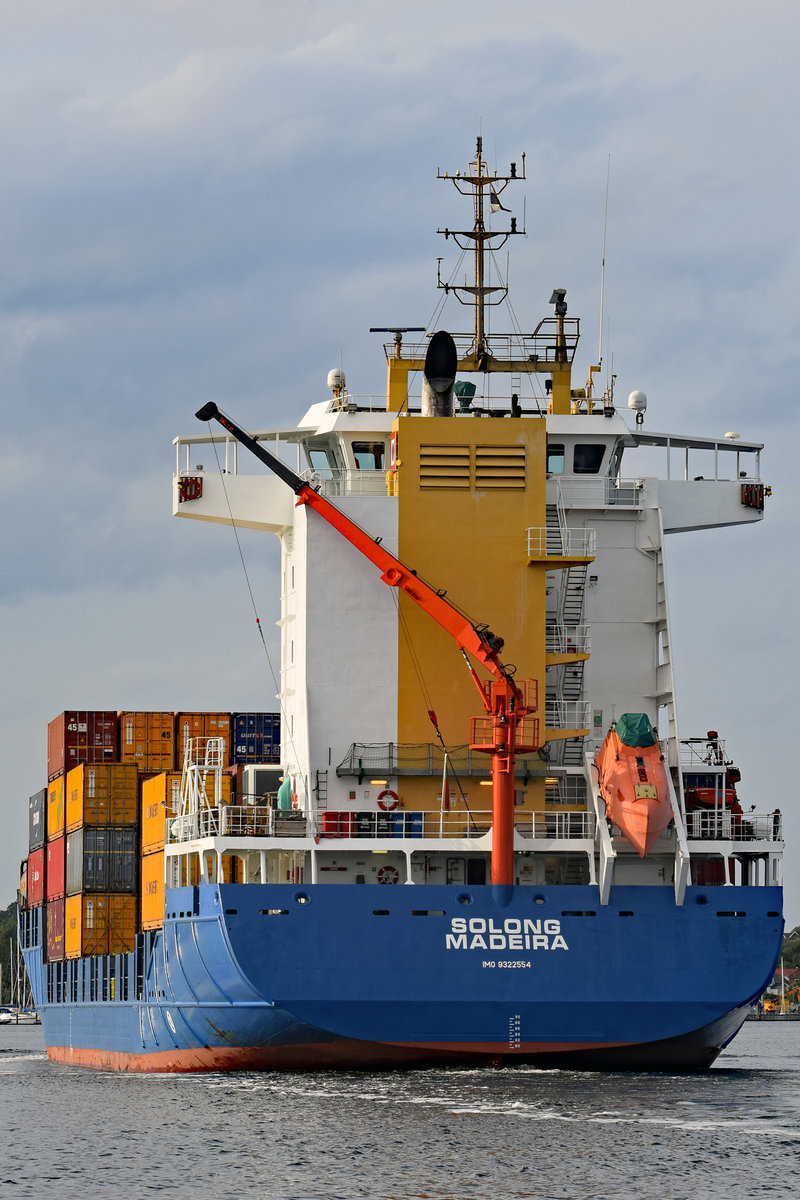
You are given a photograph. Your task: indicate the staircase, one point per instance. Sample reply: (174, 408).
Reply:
(567, 679)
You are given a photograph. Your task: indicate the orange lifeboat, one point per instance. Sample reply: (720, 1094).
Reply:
(633, 781)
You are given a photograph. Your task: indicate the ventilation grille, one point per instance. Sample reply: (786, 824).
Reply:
(454, 467)
(444, 466)
(500, 466)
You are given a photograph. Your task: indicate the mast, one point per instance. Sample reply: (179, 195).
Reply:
(484, 241)
(548, 350)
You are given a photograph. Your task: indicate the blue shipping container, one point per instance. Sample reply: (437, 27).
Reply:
(255, 737)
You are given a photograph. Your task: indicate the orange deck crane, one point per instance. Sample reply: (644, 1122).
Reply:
(507, 726)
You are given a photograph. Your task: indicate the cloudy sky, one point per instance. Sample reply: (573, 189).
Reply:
(215, 202)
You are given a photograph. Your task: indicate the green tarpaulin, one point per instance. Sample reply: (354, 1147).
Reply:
(634, 729)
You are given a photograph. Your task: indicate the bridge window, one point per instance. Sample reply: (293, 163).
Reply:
(588, 458)
(555, 458)
(369, 456)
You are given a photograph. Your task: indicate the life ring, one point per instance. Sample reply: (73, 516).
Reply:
(391, 803)
(388, 874)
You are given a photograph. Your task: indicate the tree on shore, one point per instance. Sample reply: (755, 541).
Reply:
(8, 947)
(790, 950)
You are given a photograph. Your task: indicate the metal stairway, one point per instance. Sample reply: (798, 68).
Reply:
(567, 679)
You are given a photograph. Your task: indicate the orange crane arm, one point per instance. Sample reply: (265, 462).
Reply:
(477, 640)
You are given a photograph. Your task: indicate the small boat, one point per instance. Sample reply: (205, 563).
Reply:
(18, 1016)
(633, 781)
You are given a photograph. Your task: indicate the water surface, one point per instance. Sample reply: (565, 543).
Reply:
(440, 1134)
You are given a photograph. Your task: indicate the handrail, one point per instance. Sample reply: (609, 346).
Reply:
(599, 491)
(567, 639)
(567, 543)
(723, 825)
(706, 754)
(566, 714)
(456, 824)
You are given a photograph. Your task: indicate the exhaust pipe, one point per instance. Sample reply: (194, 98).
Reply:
(441, 364)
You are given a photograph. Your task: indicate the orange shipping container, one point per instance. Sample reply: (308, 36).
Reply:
(161, 795)
(202, 725)
(102, 794)
(55, 808)
(148, 740)
(99, 923)
(153, 890)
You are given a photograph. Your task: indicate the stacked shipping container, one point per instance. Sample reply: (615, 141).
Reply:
(76, 737)
(203, 726)
(161, 796)
(255, 737)
(148, 740)
(96, 832)
(102, 854)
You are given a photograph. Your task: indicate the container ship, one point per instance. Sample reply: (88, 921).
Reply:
(483, 838)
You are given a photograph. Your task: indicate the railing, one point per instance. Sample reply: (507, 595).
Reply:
(343, 481)
(454, 824)
(539, 346)
(566, 714)
(253, 821)
(237, 821)
(561, 543)
(258, 822)
(365, 760)
(701, 754)
(558, 825)
(189, 826)
(728, 826)
(599, 491)
(565, 789)
(708, 455)
(568, 639)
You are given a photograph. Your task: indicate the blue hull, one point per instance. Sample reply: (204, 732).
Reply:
(284, 976)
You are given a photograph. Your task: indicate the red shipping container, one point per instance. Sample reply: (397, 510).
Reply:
(36, 878)
(55, 874)
(54, 943)
(78, 737)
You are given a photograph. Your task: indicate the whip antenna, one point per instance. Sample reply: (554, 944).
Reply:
(603, 265)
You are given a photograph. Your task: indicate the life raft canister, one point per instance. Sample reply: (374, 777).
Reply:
(388, 874)
(391, 803)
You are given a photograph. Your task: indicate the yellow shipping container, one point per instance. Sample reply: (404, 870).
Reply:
(148, 740)
(152, 907)
(55, 808)
(102, 794)
(161, 796)
(99, 923)
(203, 725)
(161, 799)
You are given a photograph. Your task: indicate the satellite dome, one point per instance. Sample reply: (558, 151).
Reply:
(637, 401)
(336, 380)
